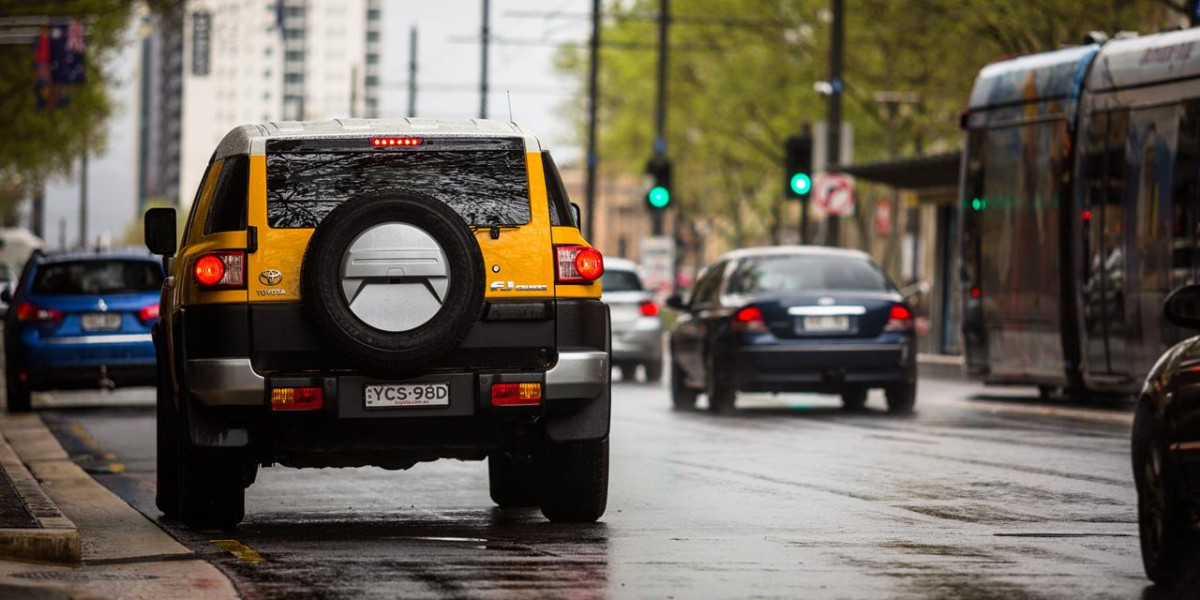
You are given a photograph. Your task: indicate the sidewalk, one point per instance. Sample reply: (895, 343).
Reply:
(96, 546)
(940, 366)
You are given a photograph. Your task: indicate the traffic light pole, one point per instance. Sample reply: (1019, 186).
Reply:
(807, 132)
(660, 117)
(593, 102)
(833, 125)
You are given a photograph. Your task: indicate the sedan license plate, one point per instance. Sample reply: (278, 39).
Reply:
(406, 394)
(100, 321)
(827, 323)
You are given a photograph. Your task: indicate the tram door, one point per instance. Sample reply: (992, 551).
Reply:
(1185, 199)
(1104, 260)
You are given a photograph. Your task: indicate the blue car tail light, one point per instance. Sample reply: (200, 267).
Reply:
(28, 313)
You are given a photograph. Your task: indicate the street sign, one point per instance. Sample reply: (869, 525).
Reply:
(658, 265)
(833, 194)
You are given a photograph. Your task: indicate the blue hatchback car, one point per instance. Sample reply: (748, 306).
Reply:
(81, 320)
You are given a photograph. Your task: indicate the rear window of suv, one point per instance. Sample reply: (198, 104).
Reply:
(87, 277)
(483, 180)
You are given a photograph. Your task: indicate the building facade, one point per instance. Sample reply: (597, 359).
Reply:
(217, 64)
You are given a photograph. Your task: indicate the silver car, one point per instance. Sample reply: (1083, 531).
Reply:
(636, 324)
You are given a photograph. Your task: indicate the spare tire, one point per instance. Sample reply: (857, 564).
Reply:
(394, 281)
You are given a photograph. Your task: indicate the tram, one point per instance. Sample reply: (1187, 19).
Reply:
(1080, 191)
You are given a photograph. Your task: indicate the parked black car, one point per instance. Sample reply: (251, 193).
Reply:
(793, 319)
(1166, 449)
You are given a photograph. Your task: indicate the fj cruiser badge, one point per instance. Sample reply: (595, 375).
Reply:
(508, 286)
(270, 277)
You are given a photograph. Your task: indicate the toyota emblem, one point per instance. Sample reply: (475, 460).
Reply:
(270, 277)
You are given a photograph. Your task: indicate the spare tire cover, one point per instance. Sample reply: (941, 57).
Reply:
(393, 281)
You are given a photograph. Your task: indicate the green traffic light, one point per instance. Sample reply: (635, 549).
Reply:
(801, 183)
(659, 196)
(978, 204)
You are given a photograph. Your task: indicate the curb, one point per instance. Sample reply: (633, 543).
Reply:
(940, 366)
(56, 539)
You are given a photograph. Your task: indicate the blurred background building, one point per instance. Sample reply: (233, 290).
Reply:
(211, 65)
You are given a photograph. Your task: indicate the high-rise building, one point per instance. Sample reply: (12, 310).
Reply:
(250, 61)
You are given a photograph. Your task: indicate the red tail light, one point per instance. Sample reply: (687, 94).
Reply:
(578, 264)
(300, 398)
(749, 319)
(976, 292)
(404, 141)
(516, 394)
(28, 313)
(900, 318)
(149, 313)
(221, 270)
(648, 308)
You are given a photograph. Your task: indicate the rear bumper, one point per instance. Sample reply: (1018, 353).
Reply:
(820, 367)
(637, 345)
(123, 349)
(213, 382)
(225, 386)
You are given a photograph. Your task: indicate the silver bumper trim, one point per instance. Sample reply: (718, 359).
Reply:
(225, 382)
(578, 375)
(125, 338)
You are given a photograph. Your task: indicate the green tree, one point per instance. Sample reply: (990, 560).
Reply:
(38, 144)
(741, 77)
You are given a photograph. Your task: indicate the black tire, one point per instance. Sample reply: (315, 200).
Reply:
(212, 486)
(654, 371)
(512, 479)
(573, 480)
(682, 396)
(383, 352)
(166, 495)
(854, 399)
(722, 396)
(901, 397)
(19, 399)
(1162, 524)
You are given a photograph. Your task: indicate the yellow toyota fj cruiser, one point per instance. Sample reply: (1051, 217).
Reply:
(365, 292)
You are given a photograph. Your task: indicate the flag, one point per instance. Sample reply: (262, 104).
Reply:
(67, 52)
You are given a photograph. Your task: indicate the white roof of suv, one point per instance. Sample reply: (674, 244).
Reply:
(252, 138)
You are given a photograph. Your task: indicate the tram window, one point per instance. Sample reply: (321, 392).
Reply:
(1185, 195)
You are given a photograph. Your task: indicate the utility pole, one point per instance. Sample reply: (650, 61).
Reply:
(485, 39)
(83, 195)
(39, 208)
(660, 141)
(412, 71)
(593, 101)
(833, 125)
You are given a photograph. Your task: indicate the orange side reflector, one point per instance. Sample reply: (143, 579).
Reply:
(516, 394)
(305, 398)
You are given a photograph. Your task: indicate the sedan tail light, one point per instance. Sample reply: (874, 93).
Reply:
(220, 270)
(148, 313)
(900, 318)
(648, 308)
(578, 264)
(28, 313)
(749, 319)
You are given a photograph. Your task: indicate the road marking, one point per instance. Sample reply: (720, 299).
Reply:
(81, 433)
(239, 550)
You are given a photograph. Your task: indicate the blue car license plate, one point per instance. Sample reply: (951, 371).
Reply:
(100, 322)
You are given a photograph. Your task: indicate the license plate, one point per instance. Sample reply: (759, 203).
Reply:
(100, 322)
(407, 394)
(827, 323)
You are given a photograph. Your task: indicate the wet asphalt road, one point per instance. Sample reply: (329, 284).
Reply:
(980, 494)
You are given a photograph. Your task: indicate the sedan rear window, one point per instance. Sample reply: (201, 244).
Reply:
(797, 273)
(486, 185)
(620, 281)
(87, 277)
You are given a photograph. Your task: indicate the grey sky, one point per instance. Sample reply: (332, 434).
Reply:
(449, 63)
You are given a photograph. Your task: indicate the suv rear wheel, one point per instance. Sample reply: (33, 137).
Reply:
(212, 490)
(573, 480)
(18, 399)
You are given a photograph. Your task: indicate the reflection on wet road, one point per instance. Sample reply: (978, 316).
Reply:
(970, 497)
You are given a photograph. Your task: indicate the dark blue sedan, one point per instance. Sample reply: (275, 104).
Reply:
(793, 319)
(81, 320)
